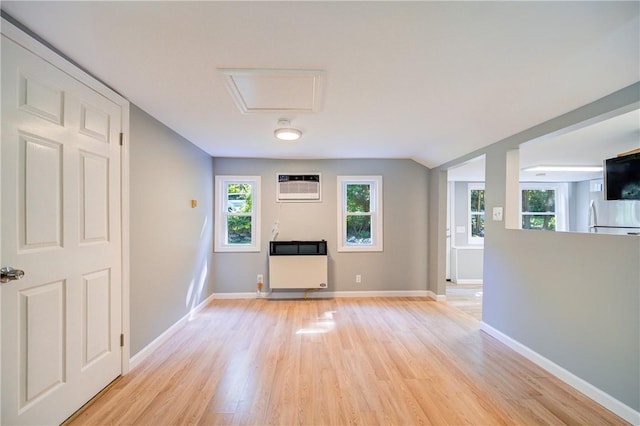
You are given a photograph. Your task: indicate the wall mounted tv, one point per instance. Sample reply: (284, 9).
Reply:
(622, 177)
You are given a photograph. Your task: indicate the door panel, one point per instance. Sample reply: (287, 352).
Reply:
(94, 198)
(40, 193)
(96, 329)
(60, 223)
(37, 98)
(41, 330)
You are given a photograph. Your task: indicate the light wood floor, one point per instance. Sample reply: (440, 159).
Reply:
(392, 361)
(466, 297)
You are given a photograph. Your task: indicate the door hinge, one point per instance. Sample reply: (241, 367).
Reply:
(121, 139)
(122, 340)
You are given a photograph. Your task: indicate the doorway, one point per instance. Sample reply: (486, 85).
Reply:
(465, 236)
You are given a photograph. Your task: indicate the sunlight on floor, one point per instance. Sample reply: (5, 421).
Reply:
(323, 324)
(466, 297)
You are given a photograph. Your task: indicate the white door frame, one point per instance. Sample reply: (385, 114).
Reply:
(28, 42)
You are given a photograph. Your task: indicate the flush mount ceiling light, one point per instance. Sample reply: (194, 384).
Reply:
(563, 169)
(285, 132)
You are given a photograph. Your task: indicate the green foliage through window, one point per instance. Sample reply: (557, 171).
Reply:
(358, 214)
(538, 209)
(476, 207)
(358, 198)
(239, 213)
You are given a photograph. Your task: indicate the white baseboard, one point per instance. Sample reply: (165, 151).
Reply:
(436, 297)
(135, 360)
(246, 295)
(297, 294)
(601, 397)
(467, 281)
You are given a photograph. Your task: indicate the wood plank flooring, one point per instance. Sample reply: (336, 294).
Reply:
(367, 361)
(466, 297)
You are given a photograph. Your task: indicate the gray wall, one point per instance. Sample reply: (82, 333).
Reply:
(461, 212)
(573, 298)
(171, 243)
(402, 266)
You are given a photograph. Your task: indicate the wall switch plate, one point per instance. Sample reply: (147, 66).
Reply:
(460, 229)
(260, 278)
(497, 214)
(358, 278)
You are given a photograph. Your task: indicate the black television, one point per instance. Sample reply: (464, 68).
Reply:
(622, 177)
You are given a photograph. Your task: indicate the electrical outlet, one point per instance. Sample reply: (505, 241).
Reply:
(358, 278)
(260, 278)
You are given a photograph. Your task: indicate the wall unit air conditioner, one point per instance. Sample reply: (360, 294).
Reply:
(298, 187)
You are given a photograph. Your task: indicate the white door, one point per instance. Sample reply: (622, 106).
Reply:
(60, 223)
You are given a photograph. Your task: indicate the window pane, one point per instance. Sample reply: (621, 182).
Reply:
(477, 200)
(238, 229)
(239, 198)
(477, 225)
(358, 198)
(537, 200)
(358, 230)
(541, 222)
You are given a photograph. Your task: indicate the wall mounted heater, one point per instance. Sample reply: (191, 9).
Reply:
(297, 264)
(298, 187)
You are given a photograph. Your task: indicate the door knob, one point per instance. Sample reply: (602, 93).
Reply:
(7, 274)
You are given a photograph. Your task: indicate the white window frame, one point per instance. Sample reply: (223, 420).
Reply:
(375, 212)
(561, 201)
(471, 239)
(221, 184)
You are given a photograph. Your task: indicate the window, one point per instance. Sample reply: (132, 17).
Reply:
(543, 207)
(476, 213)
(360, 213)
(237, 209)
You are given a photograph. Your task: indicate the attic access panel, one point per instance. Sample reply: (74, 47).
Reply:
(274, 90)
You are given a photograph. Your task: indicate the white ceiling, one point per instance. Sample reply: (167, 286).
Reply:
(586, 146)
(429, 81)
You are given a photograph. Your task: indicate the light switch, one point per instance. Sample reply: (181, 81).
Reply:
(460, 229)
(497, 214)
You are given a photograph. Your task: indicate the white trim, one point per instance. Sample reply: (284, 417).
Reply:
(125, 237)
(468, 281)
(245, 295)
(315, 294)
(375, 212)
(598, 395)
(220, 241)
(145, 352)
(436, 297)
(471, 240)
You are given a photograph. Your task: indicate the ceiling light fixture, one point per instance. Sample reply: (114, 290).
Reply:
(563, 169)
(285, 132)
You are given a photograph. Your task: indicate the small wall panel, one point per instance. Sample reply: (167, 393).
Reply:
(94, 123)
(41, 100)
(96, 310)
(40, 193)
(94, 198)
(42, 340)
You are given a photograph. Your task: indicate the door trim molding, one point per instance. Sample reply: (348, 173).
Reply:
(26, 40)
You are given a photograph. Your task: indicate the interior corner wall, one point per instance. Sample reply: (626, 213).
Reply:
(401, 266)
(170, 242)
